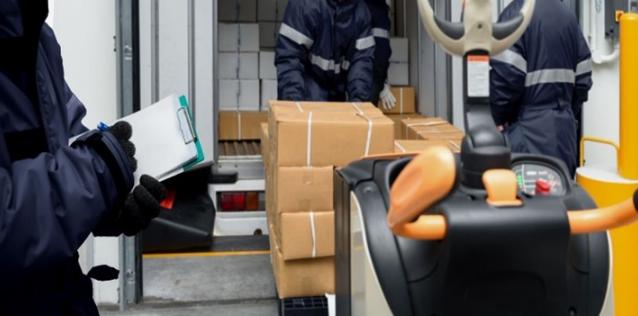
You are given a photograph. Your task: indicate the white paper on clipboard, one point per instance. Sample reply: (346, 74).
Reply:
(164, 139)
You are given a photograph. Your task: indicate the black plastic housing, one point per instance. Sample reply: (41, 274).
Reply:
(494, 261)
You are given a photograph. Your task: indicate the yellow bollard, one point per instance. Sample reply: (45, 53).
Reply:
(609, 185)
(628, 153)
(607, 188)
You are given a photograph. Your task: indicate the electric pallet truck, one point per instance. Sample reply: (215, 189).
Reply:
(486, 232)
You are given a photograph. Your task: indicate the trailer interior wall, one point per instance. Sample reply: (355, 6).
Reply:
(176, 57)
(85, 30)
(601, 112)
(428, 62)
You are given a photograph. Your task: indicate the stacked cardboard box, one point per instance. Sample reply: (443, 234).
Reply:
(268, 77)
(399, 128)
(415, 146)
(247, 72)
(241, 125)
(270, 14)
(406, 101)
(431, 129)
(237, 10)
(307, 140)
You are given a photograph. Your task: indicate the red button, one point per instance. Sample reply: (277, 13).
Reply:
(543, 187)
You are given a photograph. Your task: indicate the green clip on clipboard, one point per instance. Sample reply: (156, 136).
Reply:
(165, 139)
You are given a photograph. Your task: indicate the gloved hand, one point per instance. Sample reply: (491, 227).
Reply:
(122, 131)
(387, 98)
(139, 208)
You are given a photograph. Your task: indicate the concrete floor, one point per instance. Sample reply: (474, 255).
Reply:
(207, 285)
(255, 308)
(209, 279)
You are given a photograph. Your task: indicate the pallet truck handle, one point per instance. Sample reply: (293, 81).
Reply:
(431, 177)
(476, 32)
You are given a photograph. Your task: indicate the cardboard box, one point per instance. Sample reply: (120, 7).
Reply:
(399, 129)
(301, 189)
(241, 125)
(300, 278)
(268, 32)
(298, 107)
(400, 50)
(237, 10)
(328, 138)
(412, 146)
(406, 101)
(267, 11)
(239, 66)
(432, 129)
(238, 37)
(242, 95)
(265, 142)
(399, 74)
(267, 69)
(268, 93)
(271, 10)
(306, 235)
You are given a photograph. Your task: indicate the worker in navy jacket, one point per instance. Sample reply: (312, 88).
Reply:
(325, 51)
(539, 85)
(52, 194)
(380, 13)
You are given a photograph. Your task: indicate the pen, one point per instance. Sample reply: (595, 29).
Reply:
(102, 127)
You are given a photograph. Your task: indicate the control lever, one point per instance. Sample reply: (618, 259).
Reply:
(431, 177)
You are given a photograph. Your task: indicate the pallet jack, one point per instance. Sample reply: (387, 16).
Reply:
(486, 232)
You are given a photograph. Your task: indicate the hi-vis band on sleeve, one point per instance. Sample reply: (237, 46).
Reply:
(295, 35)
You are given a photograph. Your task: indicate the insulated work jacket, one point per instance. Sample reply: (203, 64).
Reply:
(380, 13)
(52, 195)
(539, 85)
(325, 51)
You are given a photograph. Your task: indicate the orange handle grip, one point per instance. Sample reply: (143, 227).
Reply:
(434, 227)
(428, 178)
(602, 219)
(431, 176)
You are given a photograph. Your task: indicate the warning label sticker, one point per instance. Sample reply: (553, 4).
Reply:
(478, 76)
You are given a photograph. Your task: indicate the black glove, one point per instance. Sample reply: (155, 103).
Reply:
(122, 131)
(139, 208)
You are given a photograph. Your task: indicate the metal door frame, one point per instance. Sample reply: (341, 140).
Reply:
(127, 44)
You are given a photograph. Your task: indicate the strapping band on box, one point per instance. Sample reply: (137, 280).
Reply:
(314, 234)
(309, 141)
(239, 135)
(401, 102)
(369, 139)
(435, 123)
(398, 145)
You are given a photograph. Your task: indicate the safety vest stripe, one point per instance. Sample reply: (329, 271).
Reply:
(365, 42)
(295, 35)
(584, 67)
(381, 33)
(512, 58)
(550, 76)
(329, 64)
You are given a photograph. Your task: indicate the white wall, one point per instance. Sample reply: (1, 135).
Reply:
(86, 30)
(601, 112)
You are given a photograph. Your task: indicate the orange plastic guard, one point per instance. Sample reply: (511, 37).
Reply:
(584, 222)
(427, 179)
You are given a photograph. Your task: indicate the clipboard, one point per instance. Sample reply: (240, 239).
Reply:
(165, 139)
